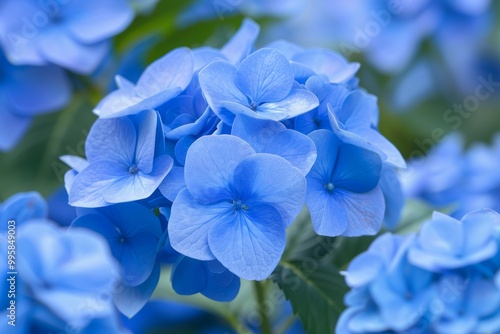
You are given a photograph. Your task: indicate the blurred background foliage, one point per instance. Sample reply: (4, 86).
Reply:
(34, 163)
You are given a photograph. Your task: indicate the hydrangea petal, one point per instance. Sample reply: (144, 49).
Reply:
(188, 276)
(210, 164)
(249, 243)
(299, 101)
(265, 76)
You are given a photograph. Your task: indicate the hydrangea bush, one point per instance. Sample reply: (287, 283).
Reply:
(249, 182)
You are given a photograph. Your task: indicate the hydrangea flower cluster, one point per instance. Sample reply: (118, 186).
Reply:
(66, 277)
(450, 176)
(443, 280)
(226, 146)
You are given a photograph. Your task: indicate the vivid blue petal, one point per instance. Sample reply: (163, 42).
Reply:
(265, 76)
(190, 222)
(296, 103)
(131, 299)
(269, 179)
(223, 286)
(250, 242)
(256, 132)
(479, 226)
(182, 147)
(394, 196)
(59, 210)
(241, 44)
(99, 224)
(356, 111)
(188, 276)
(357, 170)
(112, 140)
(327, 147)
(23, 207)
(210, 165)
(132, 187)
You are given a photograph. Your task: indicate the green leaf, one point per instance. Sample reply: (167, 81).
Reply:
(309, 278)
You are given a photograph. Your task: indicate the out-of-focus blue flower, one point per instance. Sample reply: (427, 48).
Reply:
(25, 92)
(59, 209)
(161, 81)
(210, 278)
(261, 87)
(22, 207)
(236, 206)
(343, 192)
(132, 232)
(202, 10)
(465, 180)
(64, 279)
(441, 281)
(126, 161)
(447, 243)
(72, 34)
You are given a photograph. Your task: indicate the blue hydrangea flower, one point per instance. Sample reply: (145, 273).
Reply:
(447, 243)
(343, 192)
(236, 206)
(261, 87)
(440, 281)
(27, 91)
(132, 232)
(64, 279)
(164, 79)
(126, 162)
(23, 207)
(72, 34)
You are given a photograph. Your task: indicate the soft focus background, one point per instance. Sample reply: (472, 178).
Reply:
(423, 61)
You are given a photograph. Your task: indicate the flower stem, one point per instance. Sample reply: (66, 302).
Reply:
(260, 293)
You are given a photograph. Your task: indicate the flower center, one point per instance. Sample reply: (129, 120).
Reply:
(133, 169)
(329, 187)
(253, 106)
(238, 205)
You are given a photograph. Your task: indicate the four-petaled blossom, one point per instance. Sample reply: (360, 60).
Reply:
(72, 34)
(262, 87)
(126, 162)
(343, 192)
(236, 206)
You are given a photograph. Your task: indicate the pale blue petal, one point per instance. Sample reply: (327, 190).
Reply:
(256, 132)
(210, 165)
(174, 70)
(299, 101)
(190, 222)
(393, 156)
(133, 187)
(173, 183)
(217, 83)
(241, 44)
(365, 212)
(265, 76)
(75, 162)
(89, 185)
(112, 140)
(479, 227)
(269, 179)
(249, 243)
(356, 111)
(146, 137)
(328, 218)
